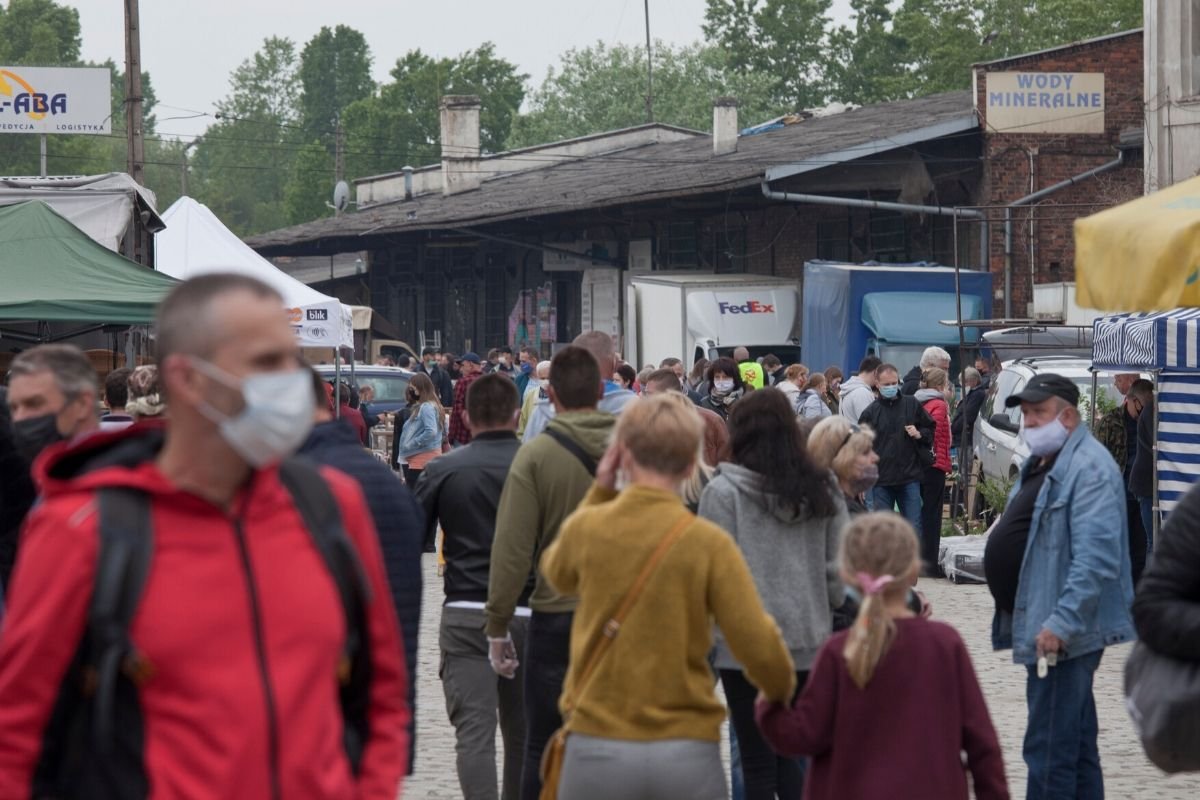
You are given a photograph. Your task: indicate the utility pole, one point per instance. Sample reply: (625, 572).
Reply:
(133, 94)
(649, 70)
(339, 157)
(184, 175)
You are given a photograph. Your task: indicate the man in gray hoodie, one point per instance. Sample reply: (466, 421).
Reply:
(858, 392)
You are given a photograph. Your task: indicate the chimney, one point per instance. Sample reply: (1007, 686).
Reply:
(725, 125)
(460, 143)
(408, 183)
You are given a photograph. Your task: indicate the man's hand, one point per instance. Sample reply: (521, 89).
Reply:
(912, 431)
(606, 470)
(502, 654)
(1048, 643)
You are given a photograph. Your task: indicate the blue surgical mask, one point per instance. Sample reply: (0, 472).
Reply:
(889, 391)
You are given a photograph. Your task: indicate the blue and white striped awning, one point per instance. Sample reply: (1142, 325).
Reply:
(1163, 340)
(1178, 436)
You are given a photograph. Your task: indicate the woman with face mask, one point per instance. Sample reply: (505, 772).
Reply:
(725, 387)
(424, 430)
(845, 449)
(833, 388)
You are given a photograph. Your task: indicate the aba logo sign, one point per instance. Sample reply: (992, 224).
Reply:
(749, 307)
(318, 315)
(55, 100)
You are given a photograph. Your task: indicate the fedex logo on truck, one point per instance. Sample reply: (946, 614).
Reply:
(749, 307)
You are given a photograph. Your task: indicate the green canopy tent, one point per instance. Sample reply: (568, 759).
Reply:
(50, 271)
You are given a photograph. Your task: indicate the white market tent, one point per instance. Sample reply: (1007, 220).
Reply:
(195, 243)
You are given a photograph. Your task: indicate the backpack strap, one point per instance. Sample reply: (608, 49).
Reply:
(319, 509)
(572, 447)
(126, 547)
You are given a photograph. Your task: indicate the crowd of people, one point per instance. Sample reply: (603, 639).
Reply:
(217, 588)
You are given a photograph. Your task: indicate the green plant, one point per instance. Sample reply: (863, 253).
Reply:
(995, 493)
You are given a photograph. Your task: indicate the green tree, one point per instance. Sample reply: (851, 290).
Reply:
(39, 33)
(401, 124)
(601, 88)
(245, 159)
(785, 39)
(942, 39)
(310, 186)
(335, 71)
(866, 62)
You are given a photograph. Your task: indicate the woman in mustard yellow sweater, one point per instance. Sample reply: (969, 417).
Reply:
(646, 723)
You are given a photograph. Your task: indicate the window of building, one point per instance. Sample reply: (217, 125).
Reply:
(682, 245)
(888, 232)
(833, 239)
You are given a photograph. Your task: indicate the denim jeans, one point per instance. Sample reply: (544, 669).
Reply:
(737, 785)
(764, 773)
(907, 496)
(1060, 739)
(547, 653)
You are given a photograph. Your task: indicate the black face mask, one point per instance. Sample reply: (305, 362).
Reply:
(32, 436)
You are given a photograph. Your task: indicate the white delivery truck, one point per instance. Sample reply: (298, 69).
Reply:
(692, 316)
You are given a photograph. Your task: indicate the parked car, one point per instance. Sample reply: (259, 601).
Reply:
(999, 451)
(389, 383)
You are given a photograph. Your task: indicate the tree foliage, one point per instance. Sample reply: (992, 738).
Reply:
(783, 39)
(335, 71)
(602, 88)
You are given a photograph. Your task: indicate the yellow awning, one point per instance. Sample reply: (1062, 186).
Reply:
(1143, 255)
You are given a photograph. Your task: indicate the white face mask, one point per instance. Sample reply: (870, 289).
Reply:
(277, 417)
(1045, 440)
(725, 385)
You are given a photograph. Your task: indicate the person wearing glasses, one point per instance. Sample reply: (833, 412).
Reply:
(846, 450)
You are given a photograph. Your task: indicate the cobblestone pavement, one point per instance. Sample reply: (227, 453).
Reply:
(968, 608)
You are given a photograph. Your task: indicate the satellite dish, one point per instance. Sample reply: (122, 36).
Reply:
(341, 195)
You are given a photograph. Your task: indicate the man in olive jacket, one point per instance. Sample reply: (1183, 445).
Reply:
(549, 478)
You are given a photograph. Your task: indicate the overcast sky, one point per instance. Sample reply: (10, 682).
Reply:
(189, 47)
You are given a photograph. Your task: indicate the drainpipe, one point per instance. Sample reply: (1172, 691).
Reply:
(1034, 198)
(853, 202)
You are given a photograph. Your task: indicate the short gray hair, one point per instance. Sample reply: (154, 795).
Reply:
(971, 375)
(543, 370)
(73, 373)
(184, 325)
(933, 357)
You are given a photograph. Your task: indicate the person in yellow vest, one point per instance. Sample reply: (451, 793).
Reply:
(751, 371)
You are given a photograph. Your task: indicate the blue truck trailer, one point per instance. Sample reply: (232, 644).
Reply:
(893, 311)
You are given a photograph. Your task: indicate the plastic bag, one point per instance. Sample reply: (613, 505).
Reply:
(1162, 695)
(961, 558)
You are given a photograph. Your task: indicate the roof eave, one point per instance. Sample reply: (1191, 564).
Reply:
(968, 121)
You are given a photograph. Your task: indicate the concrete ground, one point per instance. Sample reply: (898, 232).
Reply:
(1128, 774)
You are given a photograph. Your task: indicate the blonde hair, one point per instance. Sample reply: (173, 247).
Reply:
(145, 394)
(662, 432)
(877, 544)
(835, 445)
(934, 378)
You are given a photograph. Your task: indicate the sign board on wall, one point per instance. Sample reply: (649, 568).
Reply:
(1045, 102)
(55, 100)
(600, 311)
(560, 259)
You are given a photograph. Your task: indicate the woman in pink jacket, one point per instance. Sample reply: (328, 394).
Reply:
(935, 395)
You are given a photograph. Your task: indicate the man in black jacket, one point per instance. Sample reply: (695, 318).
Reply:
(1166, 610)
(902, 431)
(441, 380)
(462, 490)
(398, 523)
(962, 427)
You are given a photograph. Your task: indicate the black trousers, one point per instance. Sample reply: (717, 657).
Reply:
(933, 490)
(766, 775)
(1137, 533)
(547, 653)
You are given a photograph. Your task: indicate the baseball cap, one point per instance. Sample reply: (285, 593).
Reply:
(472, 357)
(1042, 387)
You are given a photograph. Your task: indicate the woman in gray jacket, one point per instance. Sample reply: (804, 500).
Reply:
(786, 515)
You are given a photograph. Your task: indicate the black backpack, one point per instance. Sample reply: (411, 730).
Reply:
(94, 742)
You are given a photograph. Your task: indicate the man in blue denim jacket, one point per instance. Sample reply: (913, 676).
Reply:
(1057, 564)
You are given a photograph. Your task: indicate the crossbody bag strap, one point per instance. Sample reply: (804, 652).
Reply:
(613, 626)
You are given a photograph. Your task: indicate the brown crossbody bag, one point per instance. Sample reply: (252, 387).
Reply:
(556, 748)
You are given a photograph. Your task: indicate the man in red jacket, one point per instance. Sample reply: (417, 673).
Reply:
(240, 629)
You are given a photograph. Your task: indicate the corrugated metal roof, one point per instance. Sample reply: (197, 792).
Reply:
(641, 174)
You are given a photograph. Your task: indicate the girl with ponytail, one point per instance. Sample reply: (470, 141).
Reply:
(893, 702)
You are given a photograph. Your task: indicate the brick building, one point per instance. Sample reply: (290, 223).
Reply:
(534, 245)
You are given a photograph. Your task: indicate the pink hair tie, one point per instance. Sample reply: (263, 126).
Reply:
(871, 585)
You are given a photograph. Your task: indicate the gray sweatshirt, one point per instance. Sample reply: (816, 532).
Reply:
(792, 558)
(856, 396)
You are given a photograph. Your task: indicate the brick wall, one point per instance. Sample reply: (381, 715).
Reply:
(1057, 157)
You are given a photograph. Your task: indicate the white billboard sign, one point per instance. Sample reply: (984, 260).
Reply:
(55, 100)
(1045, 102)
